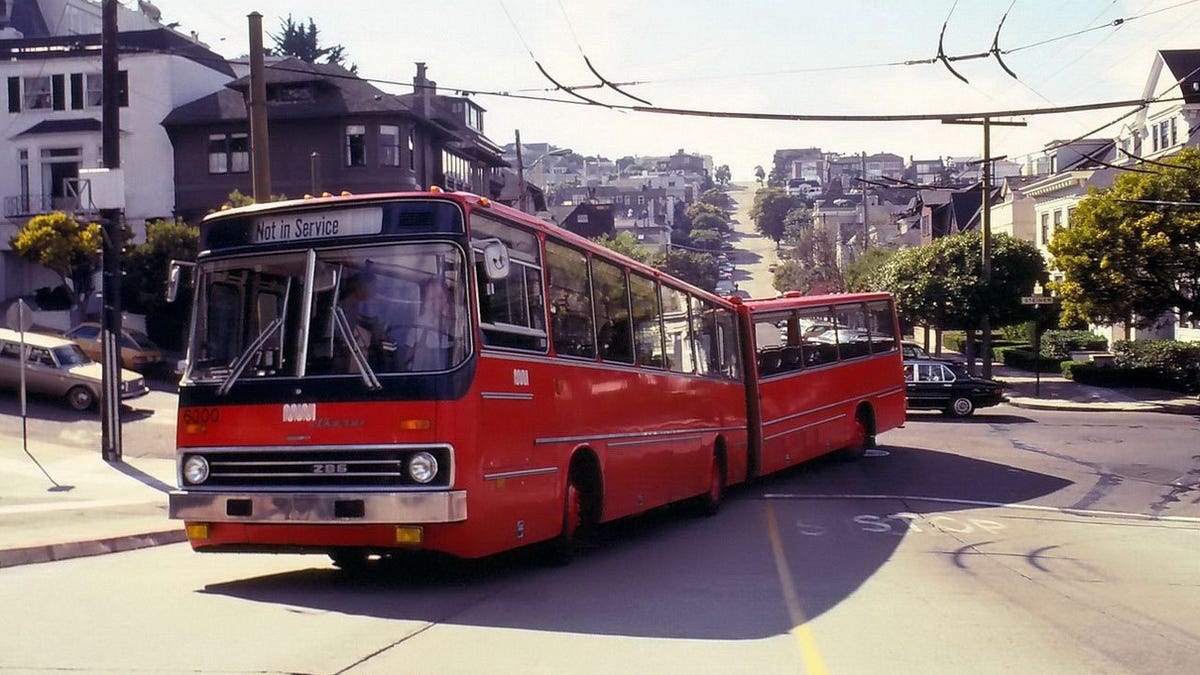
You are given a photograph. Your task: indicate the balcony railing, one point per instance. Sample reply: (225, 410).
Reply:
(16, 206)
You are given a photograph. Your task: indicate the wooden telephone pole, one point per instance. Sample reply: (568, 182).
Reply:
(985, 217)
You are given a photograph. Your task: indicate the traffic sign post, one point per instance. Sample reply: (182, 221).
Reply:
(1037, 301)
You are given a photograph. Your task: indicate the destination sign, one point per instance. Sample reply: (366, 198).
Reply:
(317, 225)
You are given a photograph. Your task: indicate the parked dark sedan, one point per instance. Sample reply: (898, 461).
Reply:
(940, 385)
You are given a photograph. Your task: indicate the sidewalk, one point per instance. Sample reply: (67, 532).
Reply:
(66, 502)
(1051, 391)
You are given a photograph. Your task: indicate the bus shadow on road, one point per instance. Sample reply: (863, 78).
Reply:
(824, 528)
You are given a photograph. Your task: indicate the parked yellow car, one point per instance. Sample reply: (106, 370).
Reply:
(138, 351)
(55, 366)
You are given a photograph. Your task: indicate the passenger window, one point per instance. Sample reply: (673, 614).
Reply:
(572, 328)
(512, 312)
(883, 330)
(615, 334)
(729, 357)
(647, 332)
(853, 338)
(677, 330)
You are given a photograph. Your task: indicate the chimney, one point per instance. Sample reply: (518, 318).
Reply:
(424, 89)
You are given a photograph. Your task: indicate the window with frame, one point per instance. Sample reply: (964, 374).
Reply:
(610, 292)
(647, 331)
(1045, 228)
(677, 330)
(512, 311)
(356, 145)
(389, 145)
(572, 330)
(882, 326)
(228, 153)
(38, 94)
(853, 336)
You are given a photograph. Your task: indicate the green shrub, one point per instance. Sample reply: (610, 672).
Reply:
(1017, 334)
(1173, 363)
(1069, 368)
(1027, 359)
(1058, 344)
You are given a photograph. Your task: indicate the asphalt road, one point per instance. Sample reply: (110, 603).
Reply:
(1015, 541)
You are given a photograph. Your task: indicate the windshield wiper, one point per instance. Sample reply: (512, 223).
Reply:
(244, 360)
(360, 359)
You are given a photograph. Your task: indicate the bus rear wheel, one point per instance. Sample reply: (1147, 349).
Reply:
(861, 439)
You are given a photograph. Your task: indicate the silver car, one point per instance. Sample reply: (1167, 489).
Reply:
(55, 366)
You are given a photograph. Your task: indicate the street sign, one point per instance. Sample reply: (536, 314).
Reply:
(1037, 300)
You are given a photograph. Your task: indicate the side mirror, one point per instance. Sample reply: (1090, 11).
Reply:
(495, 260)
(175, 278)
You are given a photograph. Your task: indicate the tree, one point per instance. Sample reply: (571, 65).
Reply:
(717, 198)
(770, 209)
(723, 175)
(812, 267)
(144, 288)
(63, 245)
(859, 273)
(696, 268)
(942, 284)
(625, 244)
(296, 39)
(759, 174)
(1130, 262)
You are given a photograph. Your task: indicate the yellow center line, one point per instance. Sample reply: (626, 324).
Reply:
(813, 663)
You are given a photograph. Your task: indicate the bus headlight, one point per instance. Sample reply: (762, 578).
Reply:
(195, 470)
(422, 467)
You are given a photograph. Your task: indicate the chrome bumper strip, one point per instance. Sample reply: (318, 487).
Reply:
(310, 507)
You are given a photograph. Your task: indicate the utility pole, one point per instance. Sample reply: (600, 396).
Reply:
(866, 221)
(259, 150)
(521, 198)
(985, 220)
(110, 260)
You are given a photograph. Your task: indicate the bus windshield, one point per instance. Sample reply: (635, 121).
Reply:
(365, 311)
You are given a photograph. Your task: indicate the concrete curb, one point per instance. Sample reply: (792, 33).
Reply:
(1075, 406)
(51, 552)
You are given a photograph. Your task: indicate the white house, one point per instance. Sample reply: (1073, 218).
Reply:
(50, 119)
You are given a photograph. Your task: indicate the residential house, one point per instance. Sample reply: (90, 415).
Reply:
(1171, 120)
(51, 124)
(330, 130)
(1012, 211)
(587, 219)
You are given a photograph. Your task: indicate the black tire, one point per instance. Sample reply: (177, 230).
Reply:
(561, 550)
(863, 439)
(81, 398)
(961, 406)
(349, 560)
(709, 503)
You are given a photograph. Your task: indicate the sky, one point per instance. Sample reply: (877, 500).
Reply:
(752, 56)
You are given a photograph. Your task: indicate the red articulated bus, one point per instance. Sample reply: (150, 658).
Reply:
(377, 373)
(828, 376)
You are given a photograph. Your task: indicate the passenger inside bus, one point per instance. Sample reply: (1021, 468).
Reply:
(432, 337)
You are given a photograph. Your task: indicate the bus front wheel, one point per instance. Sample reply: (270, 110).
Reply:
(562, 548)
(709, 503)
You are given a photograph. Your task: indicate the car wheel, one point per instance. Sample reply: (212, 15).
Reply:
(961, 407)
(81, 398)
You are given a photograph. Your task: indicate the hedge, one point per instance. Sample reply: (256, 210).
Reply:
(1027, 359)
(1174, 364)
(1058, 344)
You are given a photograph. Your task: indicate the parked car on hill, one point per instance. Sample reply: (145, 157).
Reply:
(138, 351)
(935, 384)
(55, 366)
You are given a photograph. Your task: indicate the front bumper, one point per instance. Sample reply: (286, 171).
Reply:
(319, 507)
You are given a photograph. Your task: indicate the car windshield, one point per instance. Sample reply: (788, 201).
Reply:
(352, 311)
(70, 355)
